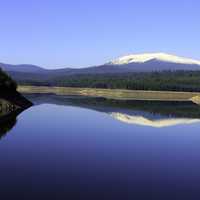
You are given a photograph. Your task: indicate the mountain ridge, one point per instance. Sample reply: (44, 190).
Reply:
(130, 63)
(148, 74)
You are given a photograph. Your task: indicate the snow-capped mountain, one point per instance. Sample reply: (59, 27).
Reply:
(148, 62)
(163, 57)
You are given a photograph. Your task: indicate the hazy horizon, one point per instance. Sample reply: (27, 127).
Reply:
(75, 34)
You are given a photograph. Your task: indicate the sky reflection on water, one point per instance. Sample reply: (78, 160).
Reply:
(62, 151)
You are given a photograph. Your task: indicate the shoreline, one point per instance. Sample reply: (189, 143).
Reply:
(119, 94)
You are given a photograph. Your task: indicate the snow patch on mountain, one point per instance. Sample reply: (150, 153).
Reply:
(142, 58)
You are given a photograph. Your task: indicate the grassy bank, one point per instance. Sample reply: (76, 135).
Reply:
(111, 93)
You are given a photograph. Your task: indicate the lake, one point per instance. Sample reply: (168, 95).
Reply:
(92, 148)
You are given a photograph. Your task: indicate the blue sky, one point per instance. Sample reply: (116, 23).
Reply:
(80, 33)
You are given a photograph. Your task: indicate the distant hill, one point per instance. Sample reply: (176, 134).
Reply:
(22, 68)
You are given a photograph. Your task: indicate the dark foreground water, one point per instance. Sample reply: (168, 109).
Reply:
(65, 148)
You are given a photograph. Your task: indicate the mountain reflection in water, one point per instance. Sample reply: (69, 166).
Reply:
(146, 113)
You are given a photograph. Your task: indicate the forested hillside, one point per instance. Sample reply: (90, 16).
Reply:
(8, 91)
(166, 81)
(6, 82)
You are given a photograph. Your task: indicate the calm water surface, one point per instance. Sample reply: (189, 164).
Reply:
(78, 149)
